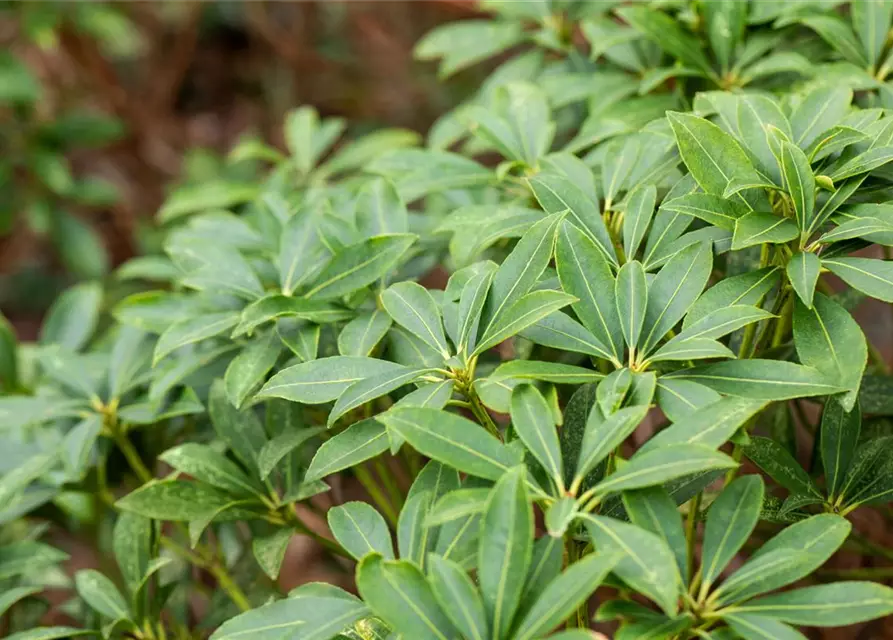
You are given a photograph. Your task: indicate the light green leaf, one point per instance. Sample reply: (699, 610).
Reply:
(526, 311)
(667, 34)
(631, 295)
(276, 306)
(241, 430)
(247, 370)
(132, 546)
(359, 265)
(691, 349)
(871, 21)
(101, 594)
(411, 306)
(533, 422)
(709, 425)
(368, 389)
(639, 211)
(505, 550)
(269, 551)
(730, 521)
(398, 592)
(471, 305)
(654, 510)
(603, 435)
(553, 372)
(748, 288)
(839, 35)
(72, 318)
(360, 441)
(803, 273)
(611, 392)
(361, 530)
(864, 227)
(863, 163)
(715, 210)
(756, 627)
(760, 228)
(360, 336)
(800, 181)
(560, 331)
(458, 597)
(821, 109)
(840, 431)
(325, 379)
(872, 277)
(761, 379)
(379, 209)
(679, 398)
(826, 605)
(465, 43)
(282, 445)
(175, 500)
(207, 465)
(194, 330)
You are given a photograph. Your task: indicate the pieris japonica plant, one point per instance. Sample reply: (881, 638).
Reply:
(588, 352)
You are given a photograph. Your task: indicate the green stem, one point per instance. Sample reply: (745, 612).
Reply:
(691, 531)
(132, 456)
(225, 581)
(381, 502)
(390, 484)
(481, 413)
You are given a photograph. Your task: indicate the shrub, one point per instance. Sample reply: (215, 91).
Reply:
(652, 218)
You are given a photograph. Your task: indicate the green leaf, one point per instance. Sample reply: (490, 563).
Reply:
(872, 277)
(835, 139)
(241, 430)
(557, 194)
(457, 504)
(414, 539)
(559, 331)
(323, 380)
(206, 196)
(276, 449)
(871, 21)
(711, 155)
(359, 265)
(278, 306)
(667, 34)
(639, 211)
(565, 593)
(748, 288)
(821, 109)
(175, 500)
(269, 551)
(360, 441)
(560, 515)
(186, 332)
(715, 210)
(517, 122)
(793, 553)
(380, 210)
(300, 249)
(533, 422)
(360, 336)
(721, 322)
(863, 163)
(222, 269)
(674, 289)
(803, 273)
(654, 510)
(778, 464)
(624, 154)
(865, 227)
(603, 435)
(458, 597)
(101, 594)
(730, 521)
(828, 339)
(50, 633)
(505, 550)
(840, 431)
(72, 318)
(761, 379)
(471, 305)
(247, 370)
(368, 389)
(839, 35)
(520, 270)
(465, 43)
(585, 274)
(647, 564)
(709, 425)
(398, 592)
(314, 611)
(756, 627)
(13, 595)
(826, 605)
(611, 392)
(525, 312)
(679, 398)
(868, 479)
(131, 543)
(361, 530)
(761, 228)
(9, 376)
(207, 465)
(800, 182)
(660, 465)
(631, 295)
(412, 307)
(307, 139)
(451, 440)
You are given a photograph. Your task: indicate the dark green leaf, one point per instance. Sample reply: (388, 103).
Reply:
(533, 422)
(826, 605)
(358, 265)
(361, 441)
(631, 295)
(730, 521)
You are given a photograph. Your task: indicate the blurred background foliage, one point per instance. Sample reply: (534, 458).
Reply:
(105, 108)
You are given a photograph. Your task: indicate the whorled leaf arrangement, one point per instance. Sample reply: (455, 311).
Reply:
(692, 199)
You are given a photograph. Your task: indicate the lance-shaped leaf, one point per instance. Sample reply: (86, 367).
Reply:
(517, 124)
(314, 611)
(207, 465)
(368, 389)
(660, 465)
(826, 605)
(679, 398)
(761, 228)
(716, 210)
(585, 274)
(871, 21)
(603, 435)
(667, 34)
(560, 331)
(631, 296)
(828, 339)
(722, 321)
(872, 277)
(101, 594)
(710, 425)
(471, 305)
(300, 249)
(803, 273)
(821, 109)
(692, 349)
(325, 379)
(359, 442)
(360, 336)
(761, 379)
(730, 521)
(458, 597)
(379, 209)
(72, 318)
(639, 211)
(775, 460)
(132, 546)
(359, 265)
(863, 163)
(611, 391)
(557, 194)
(529, 309)
(276, 306)
(647, 564)
(193, 330)
(249, 368)
(269, 550)
(520, 270)
(800, 181)
(283, 444)
(241, 430)
(655, 510)
(565, 593)
(748, 288)
(175, 500)
(751, 626)
(452, 440)
(412, 307)
(533, 421)
(866, 227)
(712, 156)
(361, 530)
(673, 290)
(505, 550)
(414, 538)
(840, 431)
